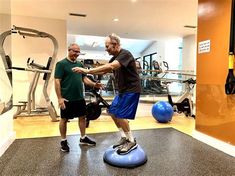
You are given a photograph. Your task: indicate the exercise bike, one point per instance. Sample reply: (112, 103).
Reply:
(184, 104)
(94, 108)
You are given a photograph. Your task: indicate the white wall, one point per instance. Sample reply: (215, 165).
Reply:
(172, 53)
(189, 58)
(189, 53)
(7, 133)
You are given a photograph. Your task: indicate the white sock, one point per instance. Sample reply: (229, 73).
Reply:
(82, 137)
(122, 133)
(129, 136)
(63, 139)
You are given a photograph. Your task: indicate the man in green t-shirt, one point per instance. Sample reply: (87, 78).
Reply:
(69, 91)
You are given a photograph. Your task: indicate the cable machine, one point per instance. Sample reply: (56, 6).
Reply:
(28, 106)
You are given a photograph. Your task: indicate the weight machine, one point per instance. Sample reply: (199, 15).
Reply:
(94, 108)
(109, 77)
(29, 105)
(6, 106)
(184, 104)
(150, 79)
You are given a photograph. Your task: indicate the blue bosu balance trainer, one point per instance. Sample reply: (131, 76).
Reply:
(132, 159)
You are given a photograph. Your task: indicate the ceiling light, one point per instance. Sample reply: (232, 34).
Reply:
(115, 19)
(205, 9)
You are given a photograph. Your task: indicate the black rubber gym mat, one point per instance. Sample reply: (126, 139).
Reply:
(169, 153)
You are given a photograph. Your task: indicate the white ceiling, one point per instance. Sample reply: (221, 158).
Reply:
(138, 19)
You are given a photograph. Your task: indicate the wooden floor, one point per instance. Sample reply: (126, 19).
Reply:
(41, 126)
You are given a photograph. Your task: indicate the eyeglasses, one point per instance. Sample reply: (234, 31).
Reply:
(75, 51)
(113, 44)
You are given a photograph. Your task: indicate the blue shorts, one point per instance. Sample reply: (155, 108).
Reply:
(124, 105)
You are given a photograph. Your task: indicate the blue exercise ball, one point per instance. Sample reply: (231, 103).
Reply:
(162, 111)
(134, 158)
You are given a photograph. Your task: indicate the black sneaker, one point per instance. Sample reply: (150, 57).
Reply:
(87, 141)
(127, 147)
(119, 143)
(64, 146)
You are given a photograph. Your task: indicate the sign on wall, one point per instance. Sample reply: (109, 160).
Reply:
(204, 46)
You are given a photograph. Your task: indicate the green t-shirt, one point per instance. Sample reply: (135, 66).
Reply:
(71, 83)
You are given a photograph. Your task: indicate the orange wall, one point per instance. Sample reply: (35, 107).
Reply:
(215, 113)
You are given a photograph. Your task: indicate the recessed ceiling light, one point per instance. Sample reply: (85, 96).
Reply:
(115, 19)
